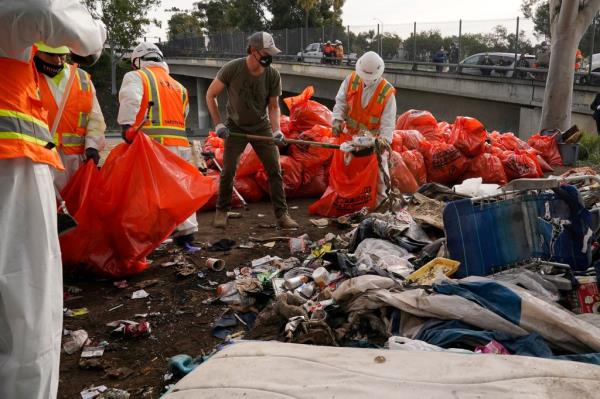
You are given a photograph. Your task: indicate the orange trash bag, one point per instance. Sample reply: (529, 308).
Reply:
(520, 165)
(351, 187)
(216, 145)
(468, 135)
(547, 147)
(411, 139)
(211, 204)
(423, 121)
(397, 141)
(312, 157)
(401, 176)
(416, 164)
(292, 176)
(316, 187)
(445, 163)
(305, 113)
(249, 163)
(141, 194)
(488, 167)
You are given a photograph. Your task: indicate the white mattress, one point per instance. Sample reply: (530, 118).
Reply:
(274, 370)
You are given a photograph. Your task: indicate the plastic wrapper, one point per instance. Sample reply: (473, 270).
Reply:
(129, 207)
(445, 163)
(305, 113)
(468, 135)
(416, 164)
(487, 166)
(547, 147)
(401, 176)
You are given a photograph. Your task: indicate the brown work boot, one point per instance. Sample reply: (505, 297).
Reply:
(286, 222)
(220, 219)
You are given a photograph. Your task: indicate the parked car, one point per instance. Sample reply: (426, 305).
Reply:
(313, 53)
(595, 68)
(468, 65)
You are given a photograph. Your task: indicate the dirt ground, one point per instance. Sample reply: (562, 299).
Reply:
(180, 322)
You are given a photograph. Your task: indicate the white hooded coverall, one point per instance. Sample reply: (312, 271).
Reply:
(94, 137)
(386, 130)
(31, 295)
(130, 101)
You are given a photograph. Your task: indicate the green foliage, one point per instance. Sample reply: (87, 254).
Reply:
(589, 148)
(125, 20)
(292, 13)
(228, 15)
(181, 24)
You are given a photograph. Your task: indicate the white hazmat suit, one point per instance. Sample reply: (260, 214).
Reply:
(30, 266)
(130, 101)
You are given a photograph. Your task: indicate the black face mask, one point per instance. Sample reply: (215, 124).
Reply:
(264, 60)
(47, 68)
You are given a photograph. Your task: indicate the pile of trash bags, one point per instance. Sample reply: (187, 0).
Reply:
(390, 280)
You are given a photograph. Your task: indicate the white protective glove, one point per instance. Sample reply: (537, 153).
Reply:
(279, 137)
(222, 131)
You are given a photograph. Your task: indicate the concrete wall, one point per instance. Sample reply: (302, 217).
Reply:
(501, 104)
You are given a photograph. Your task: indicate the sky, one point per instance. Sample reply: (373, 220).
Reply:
(399, 15)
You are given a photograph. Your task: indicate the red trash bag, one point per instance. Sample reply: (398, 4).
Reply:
(519, 166)
(316, 187)
(416, 164)
(211, 204)
(468, 135)
(292, 176)
(445, 163)
(411, 139)
(544, 165)
(351, 187)
(445, 130)
(305, 113)
(488, 167)
(249, 163)
(312, 157)
(249, 189)
(397, 141)
(547, 147)
(508, 142)
(285, 125)
(423, 121)
(400, 175)
(143, 193)
(213, 144)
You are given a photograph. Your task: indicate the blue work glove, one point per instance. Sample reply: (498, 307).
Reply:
(338, 128)
(222, 131)
(279, 138)
(93, 154)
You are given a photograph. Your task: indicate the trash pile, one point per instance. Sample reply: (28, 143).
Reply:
(448, 272)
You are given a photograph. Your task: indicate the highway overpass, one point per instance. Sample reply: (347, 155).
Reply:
(503, 104)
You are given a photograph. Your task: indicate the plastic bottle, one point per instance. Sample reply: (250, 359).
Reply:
(226, 289)
(321, 277)
(295, 282)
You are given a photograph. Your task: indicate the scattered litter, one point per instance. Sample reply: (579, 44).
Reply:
(261, 215)
(76, 312)
(121, 284)
(215, 264)
(93, 392)
(267, 239)
(185, 270)
(92, 351)
(139, 294)
(320, 223)
(119, 373)
(147, 283)
(234, 215)
(223, 245)
(246, 245)
(428, 273)
(128, 328)
(141, 315)
(75, 342)
(168, 264)
(295, 207)
(269, 244)
(267, 225)
(299, 245)
(115, 307)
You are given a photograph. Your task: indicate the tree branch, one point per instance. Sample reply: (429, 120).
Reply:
(586, 15)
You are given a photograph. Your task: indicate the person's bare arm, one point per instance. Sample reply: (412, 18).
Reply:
(215, 88)
(274, 114)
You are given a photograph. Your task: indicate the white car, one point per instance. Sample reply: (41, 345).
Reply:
(313, 54)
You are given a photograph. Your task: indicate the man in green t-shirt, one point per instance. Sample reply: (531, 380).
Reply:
(253, 88)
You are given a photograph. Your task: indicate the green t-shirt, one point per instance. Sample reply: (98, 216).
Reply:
(248, 96)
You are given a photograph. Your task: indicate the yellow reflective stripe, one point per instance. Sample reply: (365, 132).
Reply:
(25, 117)
(153, 96)
(82, 120)
(83, 78)
(352, 123)
(355, 81)
(383, 93)
(21, 136)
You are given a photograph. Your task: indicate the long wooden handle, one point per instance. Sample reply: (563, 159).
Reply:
(289, 141)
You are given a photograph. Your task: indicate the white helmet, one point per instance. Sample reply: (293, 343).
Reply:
(369, 67)
(144, 49)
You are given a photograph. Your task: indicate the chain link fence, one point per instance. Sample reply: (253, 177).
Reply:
(495, 48)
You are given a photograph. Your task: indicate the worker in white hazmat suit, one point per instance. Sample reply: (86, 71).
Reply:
(149, 87)
(80, 132)
(367, 101)
(31, 296)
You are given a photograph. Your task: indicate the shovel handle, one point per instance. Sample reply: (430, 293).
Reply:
(289, 141)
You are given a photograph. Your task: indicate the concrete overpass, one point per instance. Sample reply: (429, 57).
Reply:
(502, 104)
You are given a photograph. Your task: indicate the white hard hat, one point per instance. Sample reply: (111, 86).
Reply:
(369, 67)
(143, 49)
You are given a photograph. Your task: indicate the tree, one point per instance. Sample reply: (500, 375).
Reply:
(126, 22)
(568, 22)
(307, 6)
(540, 16)
(184, 24)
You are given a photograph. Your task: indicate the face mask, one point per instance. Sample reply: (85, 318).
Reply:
(47, 68)
(264, 60)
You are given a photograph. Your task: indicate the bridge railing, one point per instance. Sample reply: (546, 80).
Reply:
(512, 47)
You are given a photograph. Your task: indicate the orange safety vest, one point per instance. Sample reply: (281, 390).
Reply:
(23, 125)
(166, 122)
(72, 127)
(368, 118)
